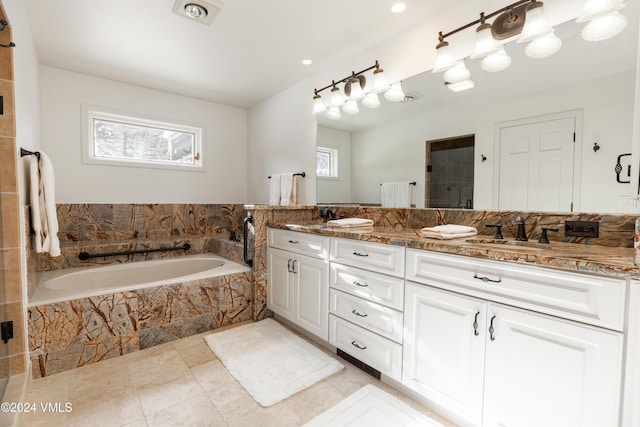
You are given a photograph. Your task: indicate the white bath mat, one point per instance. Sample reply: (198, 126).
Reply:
(269, 361)
(372, 407)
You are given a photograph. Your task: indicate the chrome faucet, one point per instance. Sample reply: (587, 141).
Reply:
(232, 234)
(522, 233)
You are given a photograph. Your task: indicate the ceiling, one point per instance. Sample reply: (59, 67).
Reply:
(251, 51)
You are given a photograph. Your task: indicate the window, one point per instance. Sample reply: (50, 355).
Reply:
(127, 140)
(327, 162)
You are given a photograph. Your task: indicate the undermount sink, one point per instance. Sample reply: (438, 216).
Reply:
(509, 244)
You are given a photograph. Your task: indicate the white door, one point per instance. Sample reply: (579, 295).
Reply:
(280, 286)
(542, 371)
(444, 350)
(311, 295)
(536, 166)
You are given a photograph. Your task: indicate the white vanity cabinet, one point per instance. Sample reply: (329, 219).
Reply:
(366, 303)
(483, 362)
(298, 275)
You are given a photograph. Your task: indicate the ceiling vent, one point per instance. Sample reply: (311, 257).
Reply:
(202, 11)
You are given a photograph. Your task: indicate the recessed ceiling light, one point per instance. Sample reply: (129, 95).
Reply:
(307, 62)
(202, 11)
(195, 11)
(398, 7)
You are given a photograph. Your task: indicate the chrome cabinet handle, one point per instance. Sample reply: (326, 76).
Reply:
(358, 346)
(486, 279)
(475, 325)
(355, 282)
(357, 313)
(359, 254)
(492, 330)
(293, 241)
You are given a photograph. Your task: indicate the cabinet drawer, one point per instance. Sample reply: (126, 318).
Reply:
(582, 297)
(302, 243)
(377, 352)
(378, 257)
(374, 317)
(380, 288)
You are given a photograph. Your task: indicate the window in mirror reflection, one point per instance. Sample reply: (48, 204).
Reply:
(449, 177)
(327, 162)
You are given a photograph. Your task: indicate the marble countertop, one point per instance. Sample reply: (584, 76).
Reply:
(607, 260)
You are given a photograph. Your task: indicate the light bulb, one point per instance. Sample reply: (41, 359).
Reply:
(371, 100)
(337, 100)
(357, 93)
(444, 58)
(318, 105)
(496, 61)
(543, 46)
(460, 86)
(604, 27)
(351, 107)
(333, 113)
(535, 23)
(395, 93)
(485, 43)
(597, 8)
(457, 73)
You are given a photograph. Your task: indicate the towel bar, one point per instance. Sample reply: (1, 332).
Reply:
(302, 174)
(24, 152)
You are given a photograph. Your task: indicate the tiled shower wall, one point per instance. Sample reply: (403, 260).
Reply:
(12, 354)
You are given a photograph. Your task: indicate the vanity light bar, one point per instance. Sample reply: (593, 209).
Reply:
(356, 89)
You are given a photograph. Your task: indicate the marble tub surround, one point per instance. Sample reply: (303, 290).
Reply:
(80, 332)
(101, 228)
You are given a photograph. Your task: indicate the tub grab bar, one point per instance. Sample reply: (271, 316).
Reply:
(245, 233)
(86, 255)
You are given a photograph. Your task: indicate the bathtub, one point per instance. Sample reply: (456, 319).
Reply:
(73, 283)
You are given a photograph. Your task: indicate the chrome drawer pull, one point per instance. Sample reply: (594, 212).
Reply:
(356, 345)
(492, 330)
(359, 254)
(357, 313)
(293, 241)
(355, 282)
(475, 325)
(486, 279)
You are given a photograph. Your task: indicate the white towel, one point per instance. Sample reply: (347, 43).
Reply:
(448, 231)
(403, 195)
(388, 194)
(350, 222)
(288, 189)
(44, 217)
(274, 189)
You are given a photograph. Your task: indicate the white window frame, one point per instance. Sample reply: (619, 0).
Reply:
(333, 153)
(91, 113)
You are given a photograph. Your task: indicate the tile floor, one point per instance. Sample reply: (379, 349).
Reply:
(181, 383)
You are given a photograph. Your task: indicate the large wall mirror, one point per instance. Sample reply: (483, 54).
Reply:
(592, 83)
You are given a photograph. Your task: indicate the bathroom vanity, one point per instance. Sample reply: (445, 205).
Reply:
(538, 340)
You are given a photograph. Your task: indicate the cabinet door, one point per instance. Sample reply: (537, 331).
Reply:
(444, 351)
(542, 371)
(311, 295)
(280, 285)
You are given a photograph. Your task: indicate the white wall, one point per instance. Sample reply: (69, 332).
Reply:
(279, 142)
(332, 190)
(225, 144)
(397, 151)
(27, 88)
(282, 134)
